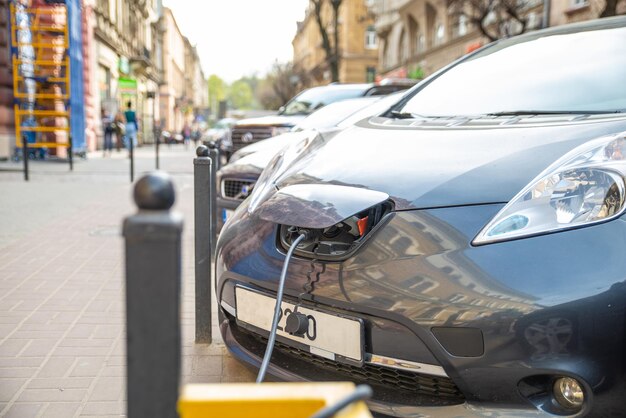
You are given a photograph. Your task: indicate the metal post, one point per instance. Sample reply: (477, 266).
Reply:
(70, 153)
(202, 185)
(158, 139)
(25, 156)
(153, 287)
(215, 159)
(132, 159)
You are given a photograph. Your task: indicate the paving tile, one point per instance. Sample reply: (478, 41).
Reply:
(51, 395)
(57, 367)
(60, 383)
(24, 410)
(12, 347)
(108, 389)
(8, 372)
(104, 408)
(61, 410)
(9, 387)
(87, 366)
(207, 366)
(38, 348)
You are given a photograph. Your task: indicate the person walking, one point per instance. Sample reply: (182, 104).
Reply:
(108, 127)
(120, 130)
(186, 134)
(131, 125)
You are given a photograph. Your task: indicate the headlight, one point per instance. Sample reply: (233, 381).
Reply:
(279, 130)
(584, 187)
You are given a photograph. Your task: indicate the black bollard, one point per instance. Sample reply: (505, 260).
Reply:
(25, 156)
(203, 186)
(153, 286)
(70, 152)
(132, 159)
(215, 160)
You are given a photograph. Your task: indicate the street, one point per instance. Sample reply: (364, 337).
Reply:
(62, 340)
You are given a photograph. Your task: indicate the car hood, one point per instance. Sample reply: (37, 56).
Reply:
(437, 164)
(258, 155)
(272, 120)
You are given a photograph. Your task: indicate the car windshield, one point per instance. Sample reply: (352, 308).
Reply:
(569, 73)
(334, 113)
(224, 123)
(312, 99)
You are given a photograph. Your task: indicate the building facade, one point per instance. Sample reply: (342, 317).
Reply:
(172, 93)
(418, 37)
(125, 67)
(7, 121)
(358, 44)
(196, 93)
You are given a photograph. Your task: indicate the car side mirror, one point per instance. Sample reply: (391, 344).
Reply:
(281, 109)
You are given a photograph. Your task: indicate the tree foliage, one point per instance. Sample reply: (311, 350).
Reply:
(282, 82)
(217, 92)
(331, 49)
(240, 95)
(495, 19)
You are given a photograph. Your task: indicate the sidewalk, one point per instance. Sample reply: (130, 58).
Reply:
(62, 338)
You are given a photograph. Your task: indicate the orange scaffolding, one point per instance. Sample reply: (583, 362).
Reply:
(41, 74)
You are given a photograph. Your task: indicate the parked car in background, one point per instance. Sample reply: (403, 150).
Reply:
(236, 180)
(219, 135)
(464, 250)
(248, 131)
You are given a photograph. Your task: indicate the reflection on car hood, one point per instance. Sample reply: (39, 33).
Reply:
(425, 167)
(258, 155)
(272, 120)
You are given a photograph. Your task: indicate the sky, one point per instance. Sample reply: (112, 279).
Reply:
(236, 38)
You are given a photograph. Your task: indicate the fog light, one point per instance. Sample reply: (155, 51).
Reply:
(568, 393)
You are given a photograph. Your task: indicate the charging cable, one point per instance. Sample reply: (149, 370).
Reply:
(361, 393)
(277, 310)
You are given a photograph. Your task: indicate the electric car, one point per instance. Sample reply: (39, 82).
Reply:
(480, 271)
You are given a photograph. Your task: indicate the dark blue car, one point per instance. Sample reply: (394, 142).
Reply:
(465, 250)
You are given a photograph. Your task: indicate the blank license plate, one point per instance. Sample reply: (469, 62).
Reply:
(327, 336)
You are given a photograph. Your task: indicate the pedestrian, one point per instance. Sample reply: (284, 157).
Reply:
(186, 134)
(120, 130)
(131, 125)
(108, 127)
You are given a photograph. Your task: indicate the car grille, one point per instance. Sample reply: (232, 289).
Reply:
(246, 135)
(234, 188)
(390, 385)
(392, 378)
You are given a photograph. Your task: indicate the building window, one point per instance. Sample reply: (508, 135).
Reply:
(462, 28)
(439, 33)
(421, 43)
(371, 40)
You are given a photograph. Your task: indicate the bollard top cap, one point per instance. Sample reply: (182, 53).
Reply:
(202, 151)
(154, 191)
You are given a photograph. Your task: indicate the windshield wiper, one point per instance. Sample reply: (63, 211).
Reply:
(551, 112)
(402, 115)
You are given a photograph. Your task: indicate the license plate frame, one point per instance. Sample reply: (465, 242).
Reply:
(347, 335)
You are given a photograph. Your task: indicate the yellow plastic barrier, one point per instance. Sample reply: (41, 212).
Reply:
(267, 400)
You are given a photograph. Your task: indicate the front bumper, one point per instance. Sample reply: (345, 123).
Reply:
(552, 305)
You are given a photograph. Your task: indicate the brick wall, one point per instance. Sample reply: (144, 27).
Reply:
(7, 122)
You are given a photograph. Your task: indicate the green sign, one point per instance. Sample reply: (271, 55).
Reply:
(127, 85)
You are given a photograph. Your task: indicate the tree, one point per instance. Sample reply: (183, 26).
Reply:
(331, 49)
(495, 19)
(217, 92)
(281, 83)
(240, 95)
